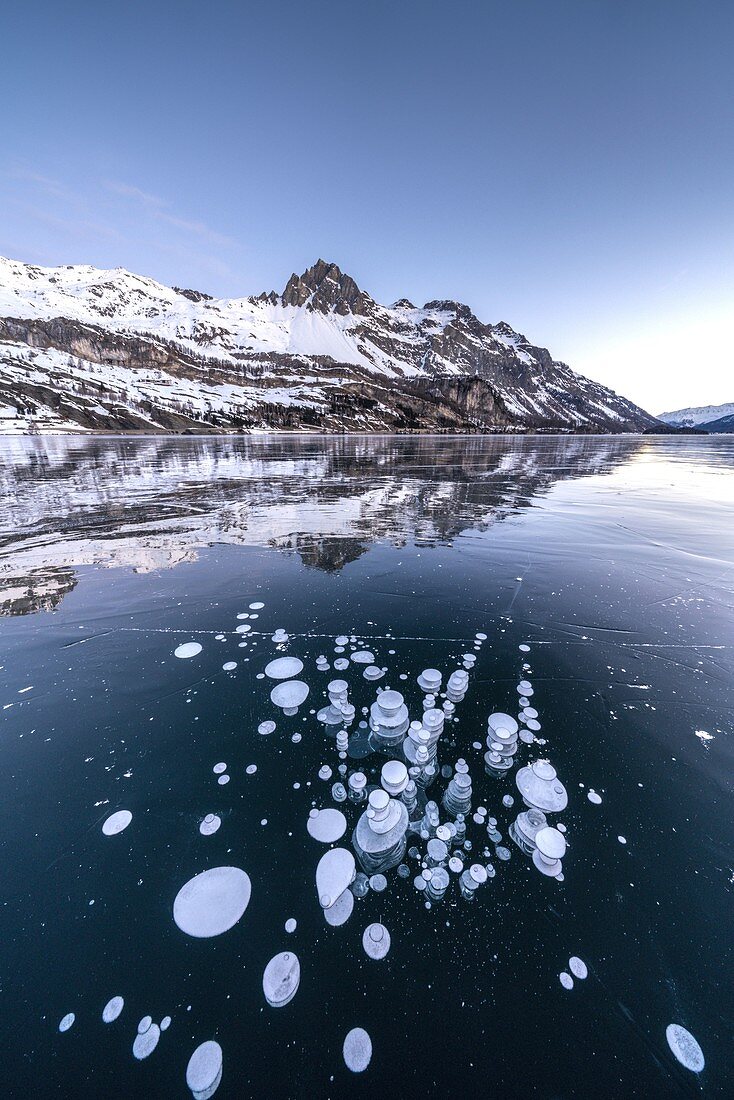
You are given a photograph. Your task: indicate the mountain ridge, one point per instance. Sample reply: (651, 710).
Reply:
(88, 349)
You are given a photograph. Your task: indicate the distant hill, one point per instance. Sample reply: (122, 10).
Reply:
(709, 418)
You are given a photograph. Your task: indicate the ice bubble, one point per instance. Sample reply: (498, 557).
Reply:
(146, 1041)
(326, 825)
(578, 967)
(508, 801)
(243, 615)
(372, 673)
(530, 712)
(284, 668)
(622, 839)
(525, 688)
(223, 780)
(341, 663)
(480, 637)
(289, 695)
(325, 772)
(229, 665)
(188, 649)
(340, 912)
(502, 852)
(524, 648)
(455, 864)
(204, 1071)
(339, 792)
(685, 1048)
(357, 1050)
(165, 1023)
(67, 1021)
(594, 797)
(266, 727)
(112, 1009)
(144, 1024)
(212, 902)
(566, 980)
(378, 883)
(341, 640)
(291, 924)
(245, 628)
(500, 721)
(219, 768)
(334, 874)
(251, 769)
(376, 941)
(281, 979)
(256, 606)
(116, 822)
(363, 657)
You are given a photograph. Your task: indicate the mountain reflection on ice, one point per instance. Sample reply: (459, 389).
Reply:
(571, 599)
(153, 503)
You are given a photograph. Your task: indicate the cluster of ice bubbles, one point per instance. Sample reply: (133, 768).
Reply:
(394, 807)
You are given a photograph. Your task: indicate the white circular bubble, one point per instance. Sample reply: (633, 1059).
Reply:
(566, 980)
(212, 902)
(594, 797)
(256, 606)
(291, 924)
(146, 1042)
(204, 1071)
(144, 1024)
(228, 666)
(266, 727)
(188, 649)
(112, 1009)
(67, 1021)
(284, 668)
(209, 825)
(685, 1048)
(326, 825)
(376, 941)
(116, 822)
(281, 979)
(578, 967)
(251, 769)
(223, 780)
(357, 1050)
(165, 1023)
(219, 768)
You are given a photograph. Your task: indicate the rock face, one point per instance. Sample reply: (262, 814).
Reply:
(85, 349)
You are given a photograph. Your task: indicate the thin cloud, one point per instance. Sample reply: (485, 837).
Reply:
(160, 210)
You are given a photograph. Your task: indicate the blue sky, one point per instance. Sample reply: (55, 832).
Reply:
(565, 166)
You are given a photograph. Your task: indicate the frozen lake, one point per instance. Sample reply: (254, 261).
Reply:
(610, 559)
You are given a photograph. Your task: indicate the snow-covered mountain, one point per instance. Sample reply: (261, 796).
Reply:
(704, 416)
(85, 349)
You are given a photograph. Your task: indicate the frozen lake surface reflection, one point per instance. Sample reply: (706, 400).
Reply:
(471, 700)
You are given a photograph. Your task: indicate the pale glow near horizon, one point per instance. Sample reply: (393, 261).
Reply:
(670, 362)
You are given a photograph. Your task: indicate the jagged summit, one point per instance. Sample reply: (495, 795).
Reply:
(325, 287)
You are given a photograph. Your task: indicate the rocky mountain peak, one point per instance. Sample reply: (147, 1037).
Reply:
(325, 288)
